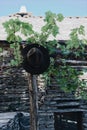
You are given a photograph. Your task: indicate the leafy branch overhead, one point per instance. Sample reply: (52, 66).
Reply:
(17, 29)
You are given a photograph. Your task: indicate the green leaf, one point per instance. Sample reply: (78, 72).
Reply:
(27, 29)
(81, 30)
(55, 31)
(49, 17)
(12, 46)
(11, 38)
(18, 39)
(60, 17)
(12, 63)
(1, 49)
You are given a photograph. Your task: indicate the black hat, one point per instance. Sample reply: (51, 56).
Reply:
(36, 59)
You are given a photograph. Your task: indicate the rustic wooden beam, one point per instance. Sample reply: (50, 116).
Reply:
(71, 62)
(34, 125)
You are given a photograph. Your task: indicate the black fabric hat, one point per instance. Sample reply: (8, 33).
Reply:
(36, 59)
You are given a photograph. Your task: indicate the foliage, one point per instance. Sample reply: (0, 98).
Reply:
(69, 78)
(74, 42)
(66, 76)
(14, 26)
(1, 50)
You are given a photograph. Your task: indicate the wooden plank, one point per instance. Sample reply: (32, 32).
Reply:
(71, 62)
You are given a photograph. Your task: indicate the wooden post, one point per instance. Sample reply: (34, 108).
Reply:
(33, 94)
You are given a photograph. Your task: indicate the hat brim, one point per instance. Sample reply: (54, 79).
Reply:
(43, 65)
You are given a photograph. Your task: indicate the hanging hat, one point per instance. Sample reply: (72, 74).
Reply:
(36, 59)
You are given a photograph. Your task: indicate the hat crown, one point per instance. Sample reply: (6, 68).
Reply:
(35, 57)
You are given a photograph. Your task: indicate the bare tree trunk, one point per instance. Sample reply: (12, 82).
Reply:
(33, 93)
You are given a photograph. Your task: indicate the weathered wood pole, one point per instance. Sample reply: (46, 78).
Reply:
(33, 94)
(36, 61)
